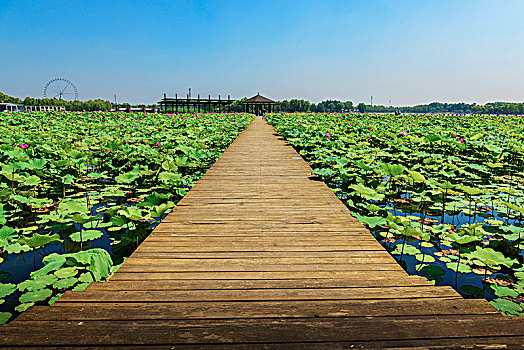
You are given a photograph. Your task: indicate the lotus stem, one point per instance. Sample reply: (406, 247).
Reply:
(456, 271)
(403, 244)
(444, 205)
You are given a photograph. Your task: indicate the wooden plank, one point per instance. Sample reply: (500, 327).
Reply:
(146, 276)
(410, 292)
(371, 282)
(247, 331)
(74, 311)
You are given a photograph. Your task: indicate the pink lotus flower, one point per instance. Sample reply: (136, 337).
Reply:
(453, 135)
(461, 140)
(491, 137)
(158, 144)
(299, 124)
(146, 220)
(23, 145)
(403, 132)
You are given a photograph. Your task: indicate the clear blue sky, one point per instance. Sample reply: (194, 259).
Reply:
(409, 52)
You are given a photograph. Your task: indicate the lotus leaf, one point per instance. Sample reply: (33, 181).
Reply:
(73, 206)
(65, 283)
(23, 307)
(86, 235)
(159, 210)
(38, 240)
(372, 221)
(6, 289)
(392, 169)
(85, 277)
(407, 250)
(472, 290)
(127, 177)
(4, 317)
(507, 307)
(462, 268)
(81, 286)
(502, 291)
(424, 258)
(490, 257)
(32, 297)
(16, 248)
(37, 283)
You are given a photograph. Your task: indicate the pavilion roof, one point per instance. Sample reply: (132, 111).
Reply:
(258, 99)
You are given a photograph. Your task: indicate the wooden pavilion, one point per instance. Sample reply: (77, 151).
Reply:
(259, 104)
(182, 105)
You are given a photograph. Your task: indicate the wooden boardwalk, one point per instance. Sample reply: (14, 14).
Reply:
(259, 254)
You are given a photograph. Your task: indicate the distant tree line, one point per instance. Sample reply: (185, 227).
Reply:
(296, 105)
(334, 106)
(91, 105)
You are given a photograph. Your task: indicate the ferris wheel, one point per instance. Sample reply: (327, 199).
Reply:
(61, 89)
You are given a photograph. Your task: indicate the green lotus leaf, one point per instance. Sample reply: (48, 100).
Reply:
(3, 216)
(7, 233)
(502, 291)
(35, 164)
(415, 176)
(472, 290)
(154, 199)
(81, 286)
(17, 248)
(73, 206)
(371, 221)
(32, 180)
(82, 218)
(38, 240)
(424, 258)
(462, 268)
(446, 185)
(86, 235)
(6, 289)
(132, 213)
(366, 192)
(65, 283)
(169, 165)
(432, 270)
(68, 179)
(37, 283)
(373, 208)
(32, 297)
(54, 298)
(4, 317)
(507, 307)
(490, 257)
(392, 169)
(408, 250)
(127, 177)
(461, 239)
(23, 307)
(97, 261)
(170, 178)
(119, 220)
(86, 277)
(470, 190)
(66, 272)
(444, 259)
(159, 210)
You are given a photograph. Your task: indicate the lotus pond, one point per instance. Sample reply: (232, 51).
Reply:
(444, 194)
(80, 191)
